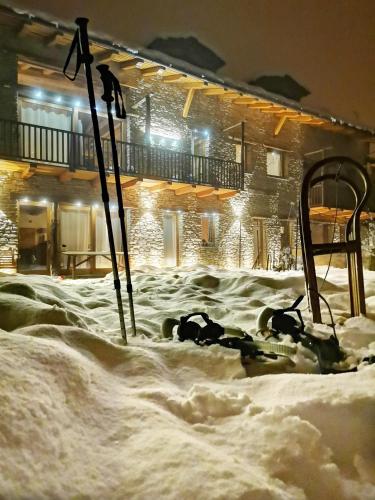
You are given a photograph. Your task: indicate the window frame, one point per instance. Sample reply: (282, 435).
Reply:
(283, 162)
(211, 220)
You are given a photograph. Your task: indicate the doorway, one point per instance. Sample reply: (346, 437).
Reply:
(260, 244)
(75, 233)
(170, 239)
(33, 237)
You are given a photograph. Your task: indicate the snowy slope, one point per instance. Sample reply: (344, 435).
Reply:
(84, 417)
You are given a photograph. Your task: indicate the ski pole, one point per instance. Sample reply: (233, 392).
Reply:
(111, 86)
(80, 43)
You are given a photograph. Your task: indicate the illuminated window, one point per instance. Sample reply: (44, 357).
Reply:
(208, 230)
(276, 162)
(247, 166)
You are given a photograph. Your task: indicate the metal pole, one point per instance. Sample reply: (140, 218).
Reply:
(240, 245)
(148, 132)
(84, 56)
(108, 80)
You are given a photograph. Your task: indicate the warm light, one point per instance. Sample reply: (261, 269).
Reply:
(78, 204)
(167, 134)
(95, 205)
(160, 71)
(138, 64)
(25, 200)
(44, 201)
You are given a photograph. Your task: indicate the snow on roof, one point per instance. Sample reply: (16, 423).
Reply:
(105, 40)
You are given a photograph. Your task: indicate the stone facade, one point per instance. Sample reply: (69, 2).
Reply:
(257, 212)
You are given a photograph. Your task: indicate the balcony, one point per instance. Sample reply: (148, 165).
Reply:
(43, 145)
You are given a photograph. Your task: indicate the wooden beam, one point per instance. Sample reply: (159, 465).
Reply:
(214, 91)
(274, 109)
(229, 96)
(288, 114)
(205, 192)
(105, 56)
(154, 70)
(48, 72)
(184, 190)
(301, 118)
(174, 78)
(66, 176)
(260, 105)
(23, 28)
(280, 124)
(52, 40)
(95, 183)
(28, 172)
(131, 63)
(193, 85)
(228, 194)
(130, 183)
(159, 186)
(188, 102)
(245, 100)
(25, 66)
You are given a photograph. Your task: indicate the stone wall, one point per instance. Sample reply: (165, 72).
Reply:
(270, 198)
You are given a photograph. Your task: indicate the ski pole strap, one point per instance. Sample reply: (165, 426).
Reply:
(74, 46)
(112, 85)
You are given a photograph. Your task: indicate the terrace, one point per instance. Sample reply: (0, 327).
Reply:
(72, 155)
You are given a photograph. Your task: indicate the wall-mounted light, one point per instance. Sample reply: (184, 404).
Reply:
(25, 200)
(58, 98)
(38, 94)
(78, 203)
(44, 201)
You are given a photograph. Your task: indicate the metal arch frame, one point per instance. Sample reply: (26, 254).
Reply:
(352, 244)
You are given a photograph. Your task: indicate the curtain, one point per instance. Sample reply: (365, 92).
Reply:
(74, 232)
(101, 239)
(170, 239)
(45, 144)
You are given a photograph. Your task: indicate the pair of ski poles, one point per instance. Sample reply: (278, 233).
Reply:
(111, 86)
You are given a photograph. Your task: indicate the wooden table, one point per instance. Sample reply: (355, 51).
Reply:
(73, 256)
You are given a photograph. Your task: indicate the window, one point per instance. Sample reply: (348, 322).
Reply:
(208, 230)
(247, 166)
(276, 162)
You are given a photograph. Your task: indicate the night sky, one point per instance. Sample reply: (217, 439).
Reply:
(328, 46)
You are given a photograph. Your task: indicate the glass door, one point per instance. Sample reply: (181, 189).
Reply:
(33, 237)
(170, 239)
(75, 234)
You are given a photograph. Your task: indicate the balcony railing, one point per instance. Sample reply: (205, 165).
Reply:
(39, 144)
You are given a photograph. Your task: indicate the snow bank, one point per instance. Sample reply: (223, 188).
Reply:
(84, 417)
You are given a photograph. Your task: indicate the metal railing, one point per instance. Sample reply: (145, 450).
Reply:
(39, 144)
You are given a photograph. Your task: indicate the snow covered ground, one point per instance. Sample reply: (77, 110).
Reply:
(83, 417)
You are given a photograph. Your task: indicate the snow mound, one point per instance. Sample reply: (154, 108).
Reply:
(85, 417)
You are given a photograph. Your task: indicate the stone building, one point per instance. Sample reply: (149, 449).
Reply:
(211, 170)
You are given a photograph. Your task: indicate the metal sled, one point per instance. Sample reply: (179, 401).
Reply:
(359, 185)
